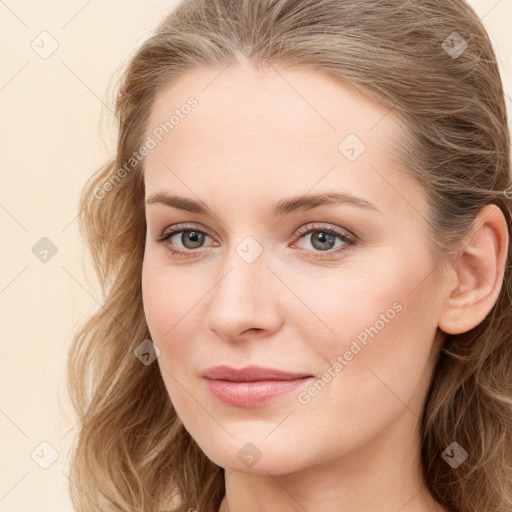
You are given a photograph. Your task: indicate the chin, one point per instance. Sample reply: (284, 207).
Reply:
(257, 458)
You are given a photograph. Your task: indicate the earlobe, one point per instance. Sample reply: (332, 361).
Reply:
(480, 271)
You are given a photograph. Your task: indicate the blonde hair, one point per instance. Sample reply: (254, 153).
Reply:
(132, 452)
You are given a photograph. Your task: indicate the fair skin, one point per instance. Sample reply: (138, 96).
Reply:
(256, 138)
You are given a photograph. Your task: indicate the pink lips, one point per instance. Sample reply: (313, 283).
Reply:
(250, 386)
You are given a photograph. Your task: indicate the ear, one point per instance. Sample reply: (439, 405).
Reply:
(479, 273)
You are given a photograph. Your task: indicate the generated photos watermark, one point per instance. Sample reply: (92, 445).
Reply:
(305, 397)
(150, 143)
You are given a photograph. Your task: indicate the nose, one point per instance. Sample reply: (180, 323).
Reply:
(245, 299)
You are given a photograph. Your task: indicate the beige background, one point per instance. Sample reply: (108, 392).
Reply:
(55, 132)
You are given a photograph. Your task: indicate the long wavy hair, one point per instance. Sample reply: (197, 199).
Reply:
(431, 62)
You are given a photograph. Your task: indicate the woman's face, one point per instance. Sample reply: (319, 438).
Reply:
(340, 289)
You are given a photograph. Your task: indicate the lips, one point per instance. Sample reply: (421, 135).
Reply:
(251, 386)
(250, 374)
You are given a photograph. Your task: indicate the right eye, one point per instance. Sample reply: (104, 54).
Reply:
(190, 237)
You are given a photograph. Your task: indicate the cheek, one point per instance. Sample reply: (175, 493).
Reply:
(380, 324)
(386, 354)
(153, 296)
(388, 295)
(168, 296)
(173, 300)
(343, 304)
(163, 308)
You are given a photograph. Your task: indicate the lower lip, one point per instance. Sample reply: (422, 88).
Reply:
(252, 394)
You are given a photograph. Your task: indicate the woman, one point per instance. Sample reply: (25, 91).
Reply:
(303, 241)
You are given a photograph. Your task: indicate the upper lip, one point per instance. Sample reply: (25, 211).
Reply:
(250, 374)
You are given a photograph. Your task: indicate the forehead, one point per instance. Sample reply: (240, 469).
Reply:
(308, 103)
(286, 128)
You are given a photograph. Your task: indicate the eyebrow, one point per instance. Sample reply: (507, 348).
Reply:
(279, 208)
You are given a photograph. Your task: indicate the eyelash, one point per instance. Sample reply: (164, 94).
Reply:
(306, 230)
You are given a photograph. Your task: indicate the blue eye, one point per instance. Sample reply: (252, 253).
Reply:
(192, 239)
(323, 239)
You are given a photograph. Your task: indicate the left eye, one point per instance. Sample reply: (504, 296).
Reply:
(324, 239)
